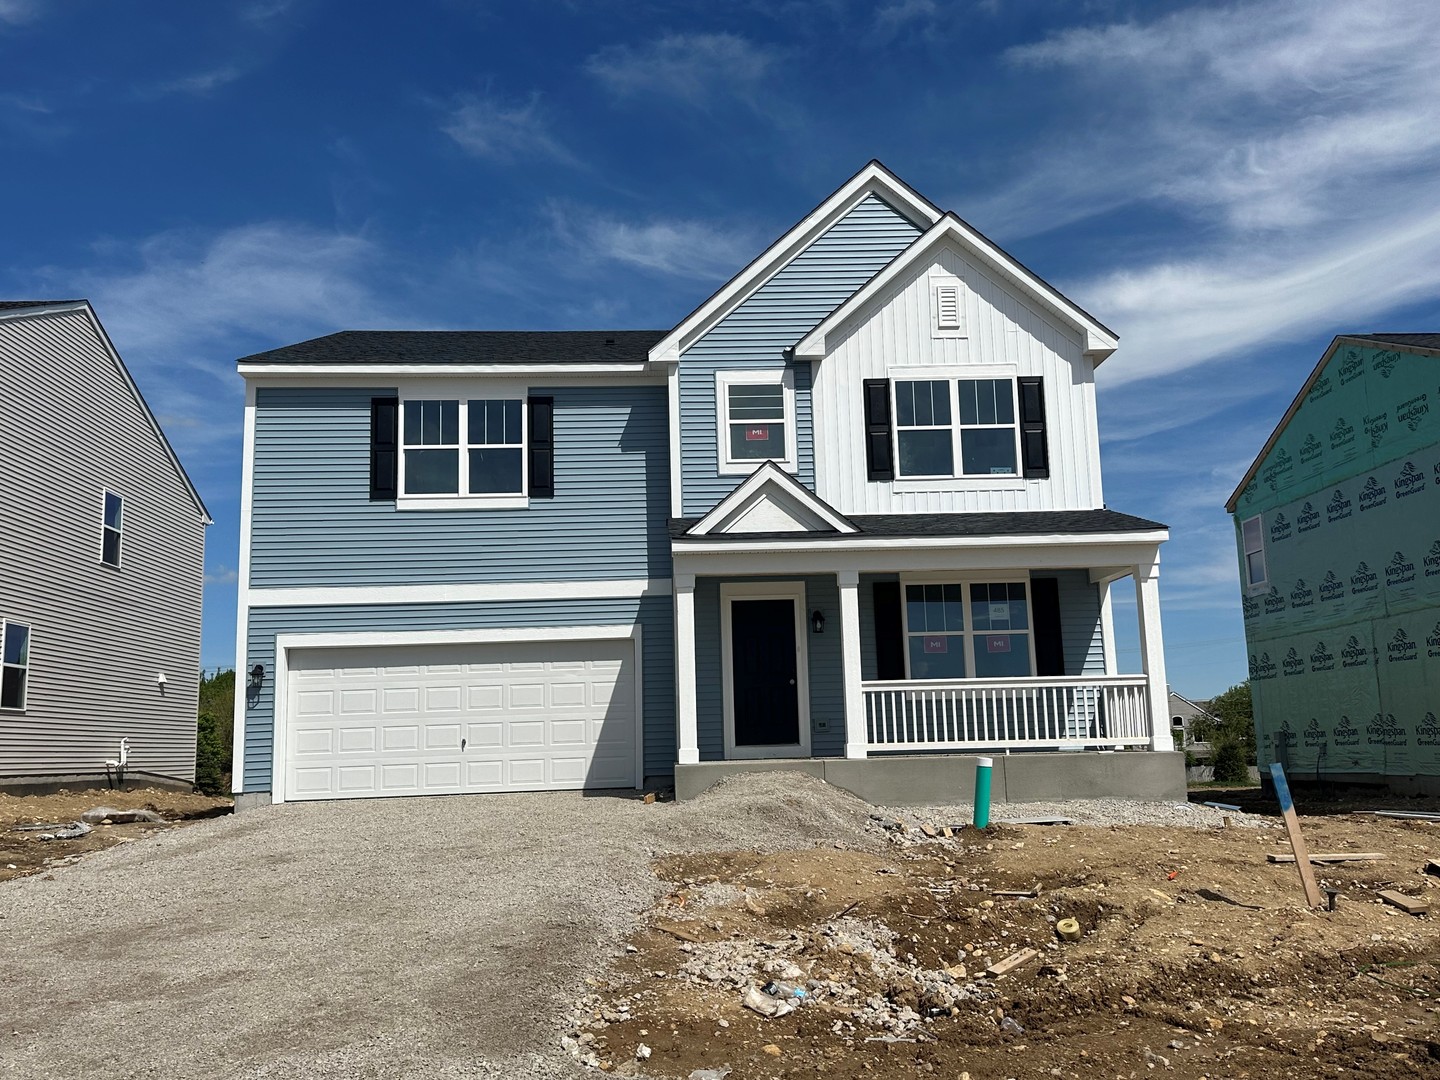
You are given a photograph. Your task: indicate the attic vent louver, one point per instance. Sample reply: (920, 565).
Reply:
(947, 307)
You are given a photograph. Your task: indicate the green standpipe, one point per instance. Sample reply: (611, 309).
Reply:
(982, 791)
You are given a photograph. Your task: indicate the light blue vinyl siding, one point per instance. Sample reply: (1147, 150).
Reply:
(654, 614)
(313, 523)
(1081, 631)
(827, 689)
(770, 321)
(699, 420)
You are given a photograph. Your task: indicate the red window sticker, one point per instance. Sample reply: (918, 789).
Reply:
(997, 644)
(758, 434)
(937, 645)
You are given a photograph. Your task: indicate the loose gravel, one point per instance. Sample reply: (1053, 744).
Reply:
(443, 937)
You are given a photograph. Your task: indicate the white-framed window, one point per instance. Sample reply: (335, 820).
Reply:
(755, 419)
(112, 528)
(462, 450)
(1252, 534)
(949, 428)
(968, 629)
(14, 663)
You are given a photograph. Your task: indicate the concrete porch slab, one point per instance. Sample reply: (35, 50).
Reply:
(940, 779)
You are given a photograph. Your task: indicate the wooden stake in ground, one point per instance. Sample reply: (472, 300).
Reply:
(1292, 828)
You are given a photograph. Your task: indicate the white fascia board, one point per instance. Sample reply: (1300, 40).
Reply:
(710, 560)
(368, 639)
(931, 543)
(1099, 342)
(44, 309)
(874, 179)
(290, 372)
(358, 595)
(242, 591)
(769, 473)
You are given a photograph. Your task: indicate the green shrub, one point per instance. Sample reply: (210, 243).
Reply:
(1230, 765)
(210, 754)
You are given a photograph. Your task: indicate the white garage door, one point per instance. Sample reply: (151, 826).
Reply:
(442, 719)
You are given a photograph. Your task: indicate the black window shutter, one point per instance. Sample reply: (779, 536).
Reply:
(879, 462)
(1034, 447)
(384, 448)
(889, 632)
(542, 447)
(1049, 641)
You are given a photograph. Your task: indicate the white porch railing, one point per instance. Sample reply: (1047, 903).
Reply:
(1007, 714)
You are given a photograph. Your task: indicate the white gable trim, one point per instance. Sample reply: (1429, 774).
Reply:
(873, 179)
(1099, 341)
(769, 498)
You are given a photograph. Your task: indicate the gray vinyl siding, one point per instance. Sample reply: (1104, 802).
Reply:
(314, 525)
(1081, 630)
(654, 614)
(824, 654)
(71, 427)
(770, 321)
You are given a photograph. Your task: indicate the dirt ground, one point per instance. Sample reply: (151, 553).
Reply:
(22, 852)
(1163, 981)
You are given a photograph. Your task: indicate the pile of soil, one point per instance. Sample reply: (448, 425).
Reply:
(22, 852)
(893, 942)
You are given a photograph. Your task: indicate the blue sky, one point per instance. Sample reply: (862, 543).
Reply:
(1226, 185)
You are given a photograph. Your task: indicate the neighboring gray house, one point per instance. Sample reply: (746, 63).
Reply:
(102, 542)
(1183, 713)
(844, 515)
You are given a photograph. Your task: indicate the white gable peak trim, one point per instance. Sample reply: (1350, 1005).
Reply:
(771, 500)
(873, 179)
(1100, 341)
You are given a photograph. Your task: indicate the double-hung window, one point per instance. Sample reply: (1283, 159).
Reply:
(756, 419)
(112, 526)
(956, 427)
(1252, 533)
(464, 448)
(968, 629)
(14, 663)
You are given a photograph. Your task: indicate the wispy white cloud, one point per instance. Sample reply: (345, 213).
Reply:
(16, 12)
(221, 575)
(488, 127)
(700, 69)
(1295, 141)
(676, 247)
(199, 84)
(899, 15)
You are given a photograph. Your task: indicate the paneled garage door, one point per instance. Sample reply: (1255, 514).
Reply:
(443, 719)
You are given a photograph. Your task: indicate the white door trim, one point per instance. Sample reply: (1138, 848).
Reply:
(284, 643)
(766, 590)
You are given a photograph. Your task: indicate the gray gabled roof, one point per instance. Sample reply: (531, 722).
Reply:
(909, 526)
(17, 305)
(466, 347)
(1405, 341)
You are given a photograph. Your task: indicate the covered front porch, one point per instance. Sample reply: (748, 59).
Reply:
(900, 650)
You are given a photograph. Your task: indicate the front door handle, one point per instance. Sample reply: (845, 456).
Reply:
(792, 682)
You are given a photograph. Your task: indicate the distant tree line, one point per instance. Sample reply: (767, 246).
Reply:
(215, 733)
(1231, 733)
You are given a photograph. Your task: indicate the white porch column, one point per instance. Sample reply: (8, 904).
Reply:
(1152, 653)
(856, 738)
(687, 727)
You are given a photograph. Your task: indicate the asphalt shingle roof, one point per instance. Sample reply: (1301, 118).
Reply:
(467, 347)
(1420, 341)
(14, 305)
(907, 526)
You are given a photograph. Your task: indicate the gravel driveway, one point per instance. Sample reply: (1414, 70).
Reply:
(440, 937)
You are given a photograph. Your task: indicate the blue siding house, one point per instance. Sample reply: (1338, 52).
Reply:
(845, 517)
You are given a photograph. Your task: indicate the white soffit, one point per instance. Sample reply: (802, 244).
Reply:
(873, 179)
(771, 501)
(1100, 342)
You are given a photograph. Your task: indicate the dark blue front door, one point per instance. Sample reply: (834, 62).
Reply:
(762, 654)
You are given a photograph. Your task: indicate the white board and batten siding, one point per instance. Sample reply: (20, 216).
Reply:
(73, 428)
(1004, 334)
(453, 718)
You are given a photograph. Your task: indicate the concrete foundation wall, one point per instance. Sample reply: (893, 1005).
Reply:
(938, 780)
